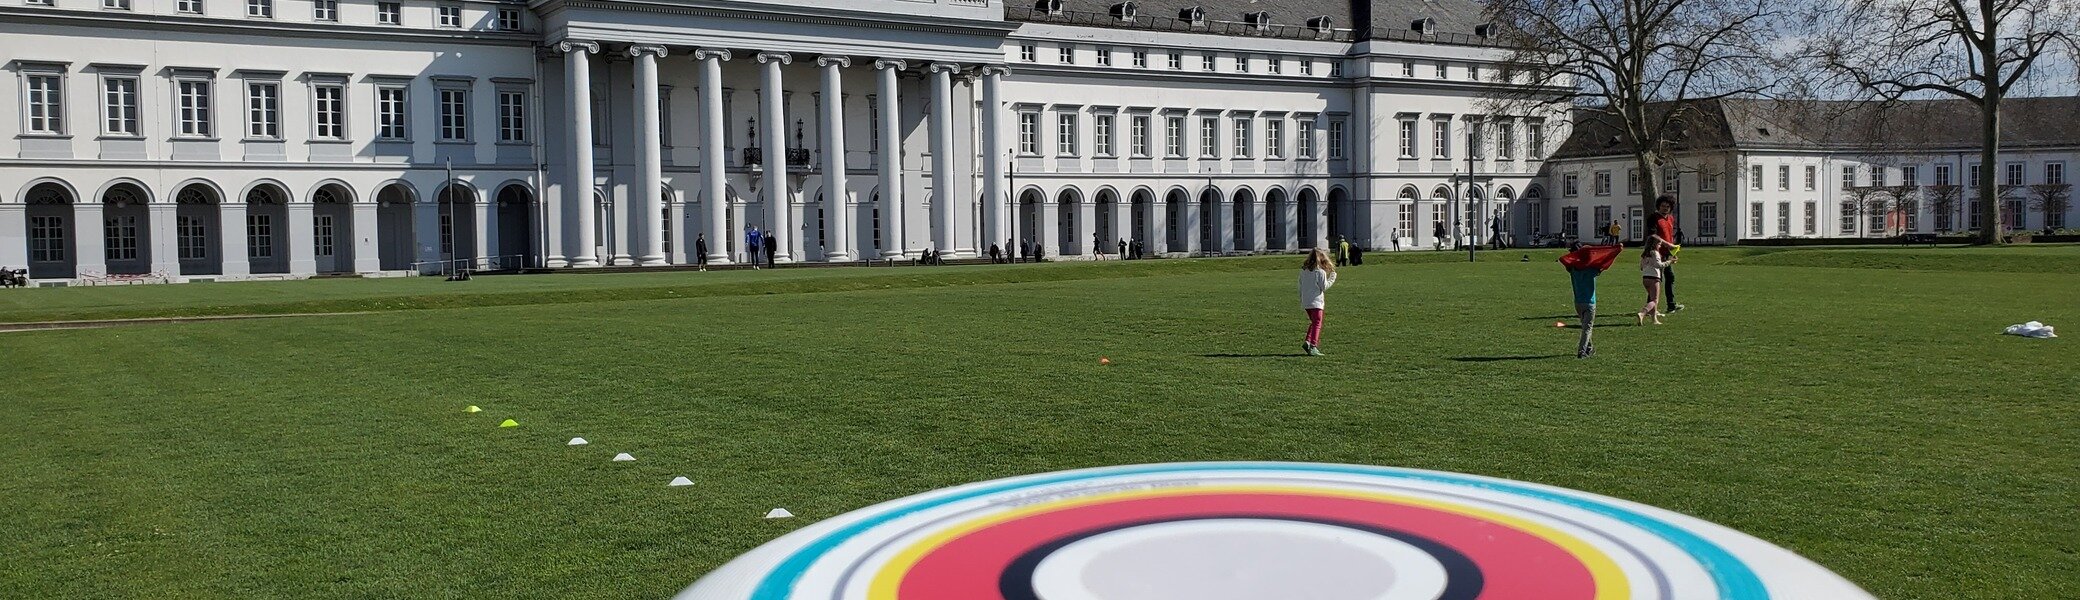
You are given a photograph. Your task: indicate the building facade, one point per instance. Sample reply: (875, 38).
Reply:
(1759, 169)
(170, 140)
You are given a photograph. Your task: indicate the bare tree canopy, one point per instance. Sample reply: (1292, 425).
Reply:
(1637, 67)
(1975, 50)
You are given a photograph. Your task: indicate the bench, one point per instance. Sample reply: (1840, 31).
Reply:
(1918, 238)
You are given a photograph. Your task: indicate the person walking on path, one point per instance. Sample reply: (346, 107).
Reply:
(1122, 248)
(1343, 251)
(1437, 235)
(995, 254)
(1039, 252)
(1025, 251)
(700, 250)
(1663, 237)
(1396, 239)
(772, 250)
(1317, 274)
(1615, 233)
(752, 243)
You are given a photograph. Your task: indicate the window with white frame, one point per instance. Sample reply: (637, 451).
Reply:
(1972, 178)
(873, 124)
(2015, 174)
(193, 7)
(454, 114)
(1307, 67)
(1440, 139)
(1910, 176)
(1942, 175)
(45, 94)
(1912, 211)
(1755, 220)
(321, 236)
(1408, 69)
(1877, 221)
(1603, 219)
(1305, 131)
(1442, 72)
(259, 235)
(1173, 137)
(1065, 134)
(193, 98)
(1274, 65)
(1671, 180)
(1632, 181)
(263, 109)
(119, 109)
(260, 9)
(1535, 140)
(1408, 138)
(508, 19)
(1175, 60)
(1140, 58)
(1812, 178)
(1209, 137)
(1878, 175)
(1603, 186)
(1242, 137)
(119, 235)
(1242, 63)
(1849, 177)
(1066, 54)
(1029, 133)
(116, 4)
(1506, 140)
(1812, 220)
(1104, 56)
(450, 15)
(1708, 218)
(1707, 181)
(1101, 131)
(512, 116)
(390, 13)
(325, 10)
(191, 238)
(1476, 140)
(1571, 185)
(1848, 218)
(1783, 177)
(1141, 136)
(1335, 139)
(1208, 62)
(1784, 218)
(1570, 221)
(47, 238)
(1028, 53)
(1755, 177)
(329, 111)
(392, 118)
(2054, 173)
(1405, 215)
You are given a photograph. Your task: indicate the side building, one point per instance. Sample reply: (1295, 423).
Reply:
(171, 140)
(1748, 169)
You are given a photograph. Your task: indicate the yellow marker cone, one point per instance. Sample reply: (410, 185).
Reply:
(509, 423)
(472, 409)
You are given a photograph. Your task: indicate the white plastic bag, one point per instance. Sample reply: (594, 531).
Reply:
(2031, 329)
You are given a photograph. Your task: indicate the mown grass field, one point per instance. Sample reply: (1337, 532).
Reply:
(1853, 405)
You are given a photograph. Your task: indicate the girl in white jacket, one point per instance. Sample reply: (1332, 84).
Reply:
(1317, 273)
(1650, 266)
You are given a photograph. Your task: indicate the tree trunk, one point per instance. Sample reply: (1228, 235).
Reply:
(1989, 160)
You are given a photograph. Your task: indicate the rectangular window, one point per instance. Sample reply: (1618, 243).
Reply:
(1784, 218)
(1101, 128)
(1877, 175)
(447, 233)
(1141, 134)
(1783, 177)
(450, 15)
(455, 115)
(1176, 61)
(1336, 139)
(1849, 178)
(1476, 139)
(1065, 134)
(1242, 63)
(192, 238)
(1910, 176)
(1104, 56)
(1408, 138)
(120, 234)
(1140, 59)
(1440, 139)
(47, 238)
(1942, 175)
(1405, 218)
(512, 116)
(1028, 53)
(321, 235)
(1506, 140)
(508, 19)
(1632, 181)
(260, 9)
(116, 4)
(1442, 72)
(119, 106)
(1305, 131)
(1671, 180)
(1877, 221)
(1603, 187)
(1708, 218)
(1707, 182)
(391, 118)
(1535, 140)
(1913, 214)
(1408, 69)
(1242, 138)
(1028, 133)
(2054, 173)
(259, 236)
(1571, 185)
(1848, 218)
(1755, 220)
(1307, 67)
(1275, 65)
(263, 109)
(1209, 136)
(1570, 221)
(390, 13)
(1812, 221)
(1173, 137)
(193, 7)
(1812, 178)
(2015, 176)
(1067, 54)
(1755, 177)
(46, 97)
(1972, 179)
(329, 112)
(325, 10)
(1208, 62)
(1603, 219)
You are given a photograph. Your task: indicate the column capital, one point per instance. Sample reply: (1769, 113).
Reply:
(995, 70)
(779, 57)
(890, 64)
(569, 46)
(944, 67)
(707, 53)
(833, 61)
(638, 50)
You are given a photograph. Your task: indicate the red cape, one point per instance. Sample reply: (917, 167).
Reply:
(1598, 257)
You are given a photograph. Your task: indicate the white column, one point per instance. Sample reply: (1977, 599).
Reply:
(773, 129)
(944, 194)
(303, 259)
(1087, 227)
(996, 183)
(14, 217)
(88, 239)
(1122, 224)
(714, 178)
(231, 239)
(891, 155)
(836, 213)
(487, 233)
(1048, 227)
(1188, 222)
(648, 242)
(368, 256)
(578, 243)
(426, 233)
(165, 247)
(1291, 220)
(1258, 224)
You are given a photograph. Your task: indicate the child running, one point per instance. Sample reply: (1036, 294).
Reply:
(1650, 265)
(1317, 273)
(1583, 264)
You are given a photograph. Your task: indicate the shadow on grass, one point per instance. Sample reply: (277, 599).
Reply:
(1504, 358)
(1284, 355)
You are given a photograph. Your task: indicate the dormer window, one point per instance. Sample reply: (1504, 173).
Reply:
(1126, 11)
(1424, 26)
(1261, 20)
(1486, 30)
(1321, 24)
(1193, 16)
(1051, 7)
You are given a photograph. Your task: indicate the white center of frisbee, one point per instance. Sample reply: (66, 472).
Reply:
(1238, 559)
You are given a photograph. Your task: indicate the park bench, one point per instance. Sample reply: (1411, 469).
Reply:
(1919, 238)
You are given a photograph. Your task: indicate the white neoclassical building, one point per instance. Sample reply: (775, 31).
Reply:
(168, 140)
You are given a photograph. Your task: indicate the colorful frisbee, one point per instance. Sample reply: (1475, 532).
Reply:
(1246, 531)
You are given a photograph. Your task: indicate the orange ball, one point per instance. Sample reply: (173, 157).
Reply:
(1559, 324)
(1104, 361)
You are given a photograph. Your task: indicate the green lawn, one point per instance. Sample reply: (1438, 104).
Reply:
(1867, 417)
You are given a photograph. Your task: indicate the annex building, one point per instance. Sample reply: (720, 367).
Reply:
(168, 140)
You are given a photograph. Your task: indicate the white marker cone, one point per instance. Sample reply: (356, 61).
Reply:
(578, 442)
(623, 457)
(679, 481)
(778, 513)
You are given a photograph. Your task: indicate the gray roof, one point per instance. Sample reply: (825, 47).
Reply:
(1841, 126)
(1350, 19)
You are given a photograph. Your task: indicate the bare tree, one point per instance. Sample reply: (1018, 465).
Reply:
(1878, 200)
(1943, 201)
(1974, 50)
(1643, 69)
(1905, 201)
(2052, 200)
